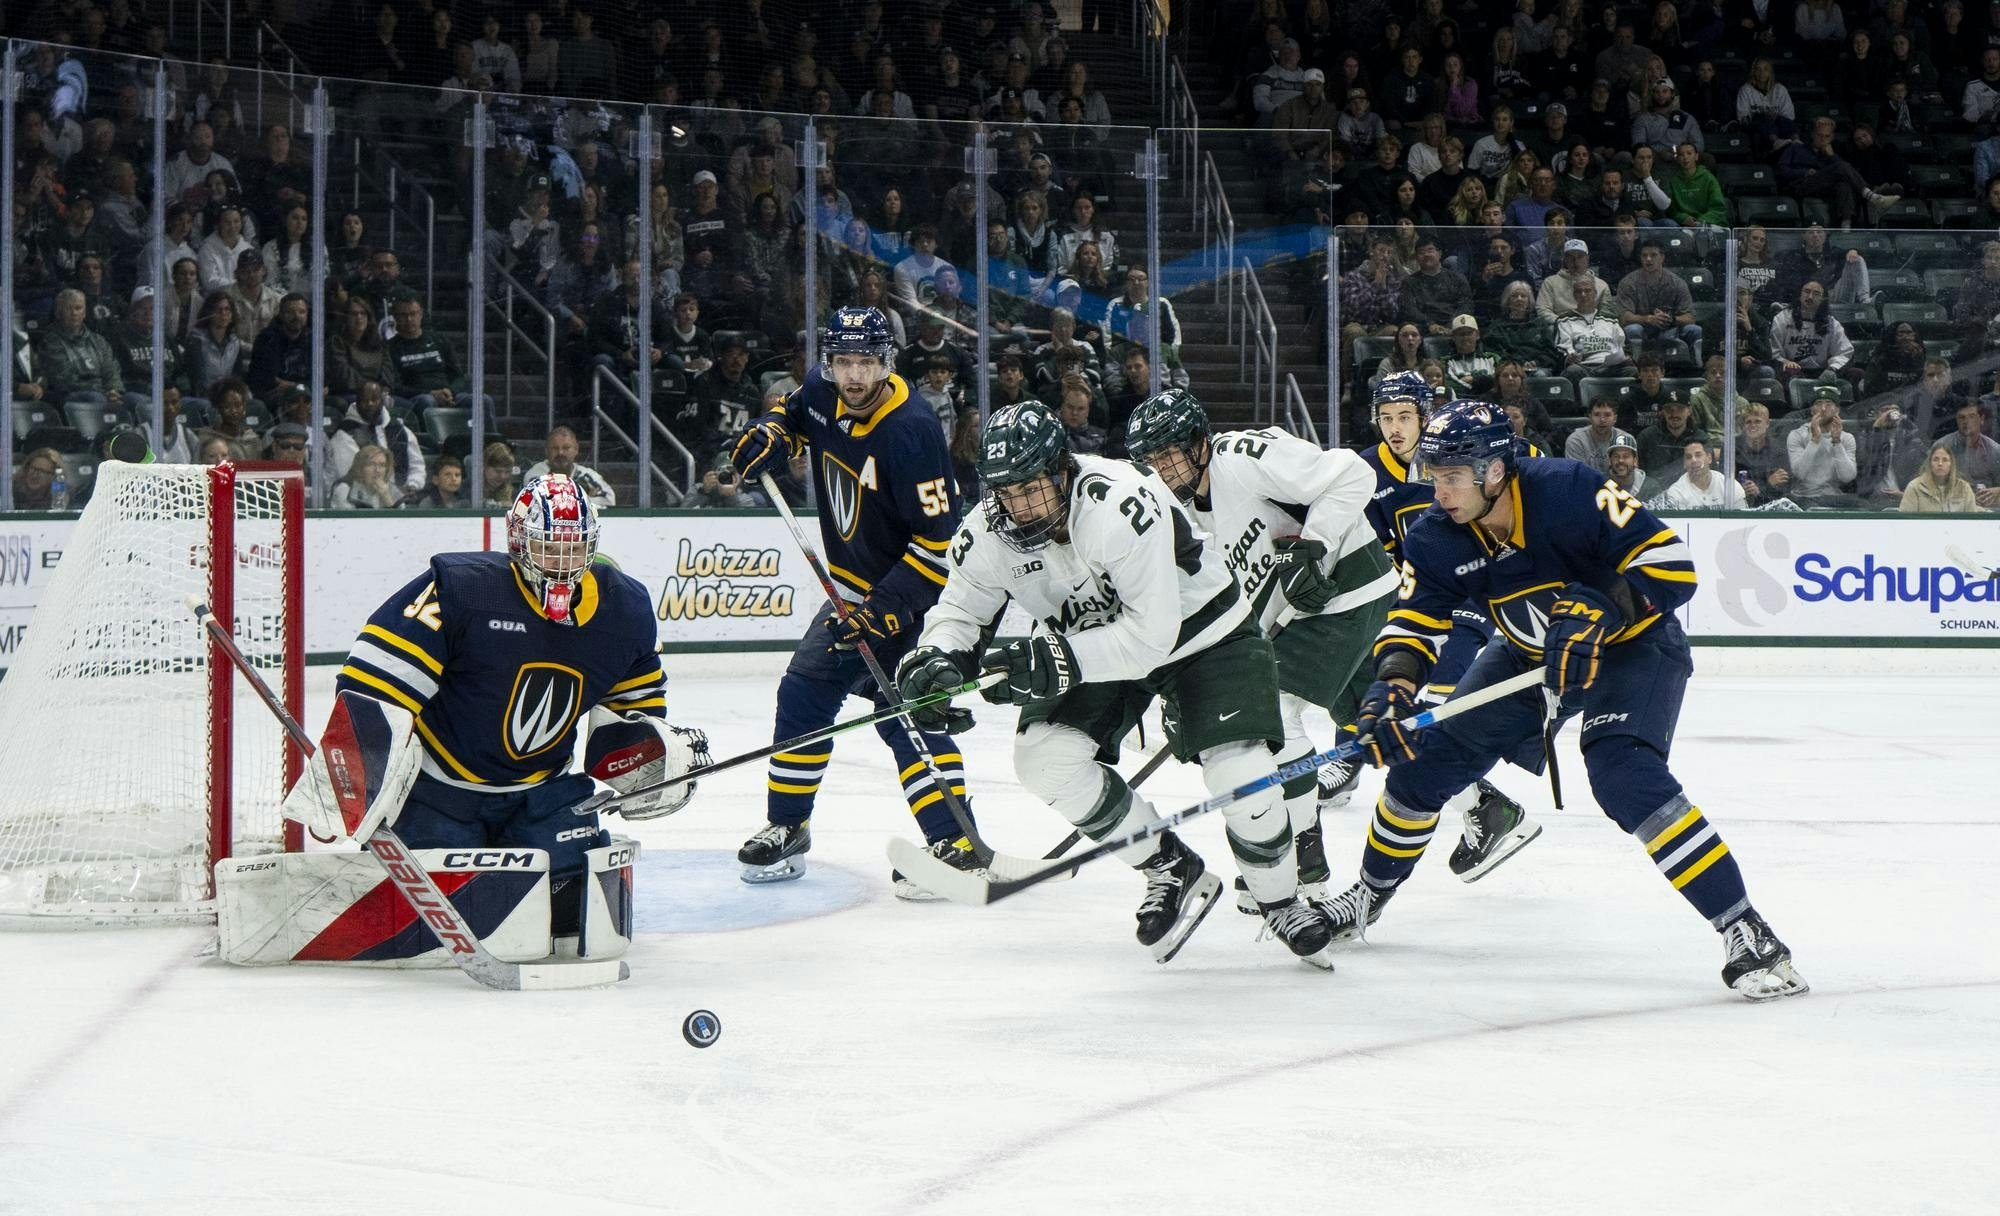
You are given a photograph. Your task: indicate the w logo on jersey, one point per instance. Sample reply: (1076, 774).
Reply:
(546, 700)
(843, 491)
(1524, 616)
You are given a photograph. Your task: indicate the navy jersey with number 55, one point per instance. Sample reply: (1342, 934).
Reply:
(499, 690)
(1570, 526)
(888, 501)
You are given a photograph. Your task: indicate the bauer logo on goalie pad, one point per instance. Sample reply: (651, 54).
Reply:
(546, 700)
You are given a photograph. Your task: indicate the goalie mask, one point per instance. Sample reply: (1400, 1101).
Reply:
(552, 538)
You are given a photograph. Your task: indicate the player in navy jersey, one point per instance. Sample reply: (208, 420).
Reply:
(1496, 827)
(1582, 580)
(888, 505)
(501, 657)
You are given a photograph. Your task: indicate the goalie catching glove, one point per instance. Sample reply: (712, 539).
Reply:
(368, 758)
(927, 671)
(630, 751)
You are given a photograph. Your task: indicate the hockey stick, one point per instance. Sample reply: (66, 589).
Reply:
(606, 802)
(973, 891)
(411, 881)
(1965, 563)
(883, 683)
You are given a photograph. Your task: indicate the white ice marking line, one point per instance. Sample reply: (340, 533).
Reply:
(62, 1059)
(972, 1171)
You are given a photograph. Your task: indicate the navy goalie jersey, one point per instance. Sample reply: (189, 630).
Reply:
(888, 501)
(499, 690)
(1571, 525)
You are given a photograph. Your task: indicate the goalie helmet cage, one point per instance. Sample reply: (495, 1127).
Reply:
(132, 757)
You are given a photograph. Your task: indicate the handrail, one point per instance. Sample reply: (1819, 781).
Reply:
(397, 177)
(548, 353)
(601, 376)
(1299, 419)
(1185, 120)
(1263, 344)
(1221, 252)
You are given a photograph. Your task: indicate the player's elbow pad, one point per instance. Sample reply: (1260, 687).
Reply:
(1400, 663)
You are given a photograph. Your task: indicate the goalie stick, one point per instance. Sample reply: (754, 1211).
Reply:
(411, 881)
(883, 683)
(973, 891)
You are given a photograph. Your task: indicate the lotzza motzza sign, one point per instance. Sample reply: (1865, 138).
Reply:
(739, 579)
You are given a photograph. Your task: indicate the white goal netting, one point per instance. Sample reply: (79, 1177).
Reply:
(119, 768)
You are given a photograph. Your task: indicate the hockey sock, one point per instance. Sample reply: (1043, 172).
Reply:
(1115, 810)
(792, 782)
(920, 790)
(1691, 854)
(1259, 827)
(1397, 837)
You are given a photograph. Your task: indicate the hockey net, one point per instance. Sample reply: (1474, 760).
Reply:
(129, 761)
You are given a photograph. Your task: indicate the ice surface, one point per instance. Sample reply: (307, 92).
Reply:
(1552, 1039)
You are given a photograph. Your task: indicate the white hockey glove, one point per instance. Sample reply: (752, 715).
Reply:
(631, 751)
(367, 760)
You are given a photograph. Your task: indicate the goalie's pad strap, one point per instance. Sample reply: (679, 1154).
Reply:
(341, 907)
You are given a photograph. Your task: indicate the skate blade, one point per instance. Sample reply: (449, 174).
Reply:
(1321, 958)
(1511, 843)
(1202, 897)
(1334, 800)
(778, 871)
(1770, 984)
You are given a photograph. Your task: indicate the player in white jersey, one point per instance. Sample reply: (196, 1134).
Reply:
(1288, 518)
(1130, 604)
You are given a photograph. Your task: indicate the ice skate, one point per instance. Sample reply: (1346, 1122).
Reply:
(776, 853)
(1756, 963)
(1337, 781)
(955, 853)
(1349, 914)
(1303, 929)
(1495, 829)
(1179, 893)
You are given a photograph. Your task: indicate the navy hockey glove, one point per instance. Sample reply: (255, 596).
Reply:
(1579, 625)
(764, 448)
(1039, 668)
(1302, 576)
(1383, 740)
(929, 670)
(865, 622)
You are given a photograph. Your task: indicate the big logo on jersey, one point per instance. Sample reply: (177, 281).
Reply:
(546, 700)
(1524, 616)
(843, 491)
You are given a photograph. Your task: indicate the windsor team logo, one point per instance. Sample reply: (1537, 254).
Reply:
(843, 491)
(546, 700)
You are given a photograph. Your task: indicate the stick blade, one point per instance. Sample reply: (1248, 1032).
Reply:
(916, 864)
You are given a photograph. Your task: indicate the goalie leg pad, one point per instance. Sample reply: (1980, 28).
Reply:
(606, 929)
(341, 908)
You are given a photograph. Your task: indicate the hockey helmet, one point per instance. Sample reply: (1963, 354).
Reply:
(856, 331)
(552, 539)
(1165, 423)
(1468, 433)
(1403, 386)
(1024, 459)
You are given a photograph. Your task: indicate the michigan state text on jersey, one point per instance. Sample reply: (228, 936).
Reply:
(888, 504)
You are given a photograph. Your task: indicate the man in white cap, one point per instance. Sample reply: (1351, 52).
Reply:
(1310, 115)
(1471, 371)
(1557, 298)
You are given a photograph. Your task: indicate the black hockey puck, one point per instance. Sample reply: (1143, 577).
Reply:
(701, 1029)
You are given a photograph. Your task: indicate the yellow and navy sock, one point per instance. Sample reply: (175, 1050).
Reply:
(791, 784)
(1397, 837)
(927, 803)
(1691, 854)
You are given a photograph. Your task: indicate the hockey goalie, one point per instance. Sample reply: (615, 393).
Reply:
(456, 720)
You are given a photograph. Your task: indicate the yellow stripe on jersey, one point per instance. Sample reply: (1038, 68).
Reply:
(446, 756)
(1671, 576)
(396, 694)
(643, 703)
(937, 546)
(851, 578)
(1663, 536)
(406, 645)
(638, 681)
(1409, 614)
(1416, 644)
(923, 569)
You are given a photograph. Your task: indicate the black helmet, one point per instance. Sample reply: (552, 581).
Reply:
(1021, 443)
(1173, 419)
